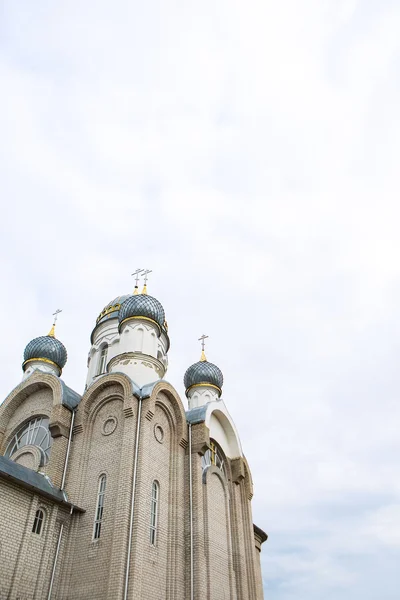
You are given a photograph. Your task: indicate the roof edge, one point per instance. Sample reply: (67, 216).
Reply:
(259, 535)
(34, 482)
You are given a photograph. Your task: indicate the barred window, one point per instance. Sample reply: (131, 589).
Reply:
(100, 507)
(38, 522)
(34, 433)
(155, 492)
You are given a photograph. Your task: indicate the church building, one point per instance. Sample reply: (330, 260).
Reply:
(120, 493)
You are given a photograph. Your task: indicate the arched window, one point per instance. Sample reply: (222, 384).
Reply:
(102, 360)
(38, 522)
(99, 508)
(155, 492)
(213, 456)
(34, 433)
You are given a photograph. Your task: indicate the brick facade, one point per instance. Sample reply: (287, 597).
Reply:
(105, 429)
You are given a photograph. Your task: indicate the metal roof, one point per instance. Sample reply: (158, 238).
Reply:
(142, 305)
(33, 481)
(48, 347)
(196, 415)
(203, 372)
(70, 399)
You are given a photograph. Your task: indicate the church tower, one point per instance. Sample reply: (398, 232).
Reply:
(120, 493)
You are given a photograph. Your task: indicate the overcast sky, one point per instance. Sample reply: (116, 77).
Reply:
(248, 153)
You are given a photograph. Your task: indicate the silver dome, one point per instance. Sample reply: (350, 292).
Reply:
(203, 372)
(111, 310)
(145, 306)
(46, 347)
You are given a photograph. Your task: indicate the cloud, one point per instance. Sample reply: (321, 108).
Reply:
(248, 155)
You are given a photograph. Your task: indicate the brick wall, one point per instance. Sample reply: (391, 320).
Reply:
(15, 507)
(159, 571)
(219, 556)
(225, 562)
(26, 557)
(91, 564)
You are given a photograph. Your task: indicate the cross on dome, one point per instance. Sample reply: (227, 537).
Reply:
(145, 277)
(136, 275)
(202, 339)
(203, 374)
(55, 315)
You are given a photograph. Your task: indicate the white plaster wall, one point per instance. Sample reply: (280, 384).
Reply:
(222, 429)
(137, 336)
(199, 396)
(140, 368)
(40, 366)
(107, 333)
(163, 343)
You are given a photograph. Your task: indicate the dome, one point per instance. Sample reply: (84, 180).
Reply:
(203, 373)
(111, 310)
(143, 306)
(46, 348)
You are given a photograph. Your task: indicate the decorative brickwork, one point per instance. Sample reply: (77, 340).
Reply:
(105, 429)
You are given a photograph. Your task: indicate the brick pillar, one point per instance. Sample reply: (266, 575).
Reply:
(60, 422)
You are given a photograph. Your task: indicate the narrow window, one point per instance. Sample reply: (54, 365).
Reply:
(100, 508)
(102, 361)
(38, 522)
(213, 456)
(154, 513)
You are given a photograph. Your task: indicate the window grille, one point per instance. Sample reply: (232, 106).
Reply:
(100, 508)
(34, 433)
(154, 513)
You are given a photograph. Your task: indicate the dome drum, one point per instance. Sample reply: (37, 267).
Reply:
(140, 317)
(133, 323)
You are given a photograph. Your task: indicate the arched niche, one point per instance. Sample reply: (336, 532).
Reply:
(166, 390)
(119, 380)
(223, 431)
(36, 382)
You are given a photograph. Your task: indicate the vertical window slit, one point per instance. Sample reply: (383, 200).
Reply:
(38, 522)
(154, 513)
(99, 508)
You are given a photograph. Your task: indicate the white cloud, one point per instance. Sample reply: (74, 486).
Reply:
(248, 154)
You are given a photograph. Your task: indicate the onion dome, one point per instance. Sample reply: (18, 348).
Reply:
(142, 306)
(203, 373)
(47, 349)
(111, 310)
